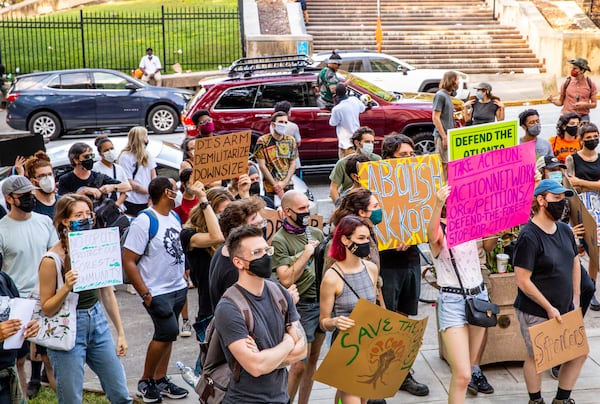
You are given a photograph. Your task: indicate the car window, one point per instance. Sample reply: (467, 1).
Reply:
(109, 81)
(352, 66)
(27, 83)
(383, 66)
(270, 94)
(75, 81)
(237, 98)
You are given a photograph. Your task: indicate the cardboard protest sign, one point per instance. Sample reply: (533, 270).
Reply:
(405, 189)
(221, 157)
(555, 343)
(274, 222)
(476, 139)
(96, 255)
(591, 237)
(490, 192)
(372, 358)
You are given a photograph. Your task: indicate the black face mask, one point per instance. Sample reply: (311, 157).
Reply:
(360, 250)
(571, 130)
(591, 144)
(301, 219)
(26, 203)
(261, 266)
(87, 164)
(255, 188)
(556, 209)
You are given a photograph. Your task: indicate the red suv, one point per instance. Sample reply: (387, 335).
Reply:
(244, 101)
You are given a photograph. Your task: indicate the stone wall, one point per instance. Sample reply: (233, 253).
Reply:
(31, 8)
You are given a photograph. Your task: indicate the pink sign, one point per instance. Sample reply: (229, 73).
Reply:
(490, 192)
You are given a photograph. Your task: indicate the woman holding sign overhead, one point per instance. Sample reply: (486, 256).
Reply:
(94, 344)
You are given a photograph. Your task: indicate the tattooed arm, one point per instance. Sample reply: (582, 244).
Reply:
(300, 350)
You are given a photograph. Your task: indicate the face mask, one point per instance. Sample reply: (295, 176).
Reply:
(301, 219)
(207, 128)
(534, 130)
(555, 209)
(255, 188)
(453, 93)
(110, 156)
(571, 130)
(479, 95)
(47, 184)
(178, 199)
(81, 225)
(376, 216)
(360, 250)
(261, 266)
(87, 164)
(280, 128)
(26, 203)
(555, 176)
(574, 72)
(591, 144)
(367, 148)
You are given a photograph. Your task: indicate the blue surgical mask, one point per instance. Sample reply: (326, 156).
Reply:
(479, 95)
(367, 148)
(81, 225)
(555, 176)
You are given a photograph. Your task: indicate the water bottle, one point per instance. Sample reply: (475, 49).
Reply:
(187, 373)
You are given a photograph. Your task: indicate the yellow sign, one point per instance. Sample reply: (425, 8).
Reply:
(372, 358)
(471, 140)
(405, 189)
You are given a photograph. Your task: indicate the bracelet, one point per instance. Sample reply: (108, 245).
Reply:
(145, 295)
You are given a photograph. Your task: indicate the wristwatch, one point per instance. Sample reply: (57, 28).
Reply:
(203, 205)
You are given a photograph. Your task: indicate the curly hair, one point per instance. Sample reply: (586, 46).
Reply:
(392, 142)
(38, 160)
(237, 212)
(345, 227)
(355, 200)
(563, 120)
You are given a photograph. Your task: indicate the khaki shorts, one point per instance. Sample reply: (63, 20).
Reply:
(440, 150)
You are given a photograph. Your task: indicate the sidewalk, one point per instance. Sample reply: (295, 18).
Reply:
(507, 378)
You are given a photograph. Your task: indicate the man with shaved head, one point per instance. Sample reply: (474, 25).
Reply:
(293, 261)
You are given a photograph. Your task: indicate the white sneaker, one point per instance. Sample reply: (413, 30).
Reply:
(131, 290)
(186, 329)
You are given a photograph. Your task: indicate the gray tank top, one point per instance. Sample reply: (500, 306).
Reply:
(363, 285)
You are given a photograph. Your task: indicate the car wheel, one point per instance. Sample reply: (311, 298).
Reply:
(163, 119)
(424, 143)
(46, 124)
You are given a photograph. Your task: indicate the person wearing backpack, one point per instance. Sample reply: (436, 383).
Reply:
(154, 264)
(276, 340)
(578, 93)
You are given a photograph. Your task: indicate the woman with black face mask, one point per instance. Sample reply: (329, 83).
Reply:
(349, 279)
(548, 276)
(566, 141)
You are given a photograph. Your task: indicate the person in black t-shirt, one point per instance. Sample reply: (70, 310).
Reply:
(547, 271)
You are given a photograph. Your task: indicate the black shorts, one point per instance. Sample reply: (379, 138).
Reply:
(24, 350)
(164, 311)
(401, 289)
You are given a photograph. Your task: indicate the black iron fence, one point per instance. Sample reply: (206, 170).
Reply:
(197, 39)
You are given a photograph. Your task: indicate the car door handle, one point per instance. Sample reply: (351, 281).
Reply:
(324, 114)
(262, 115)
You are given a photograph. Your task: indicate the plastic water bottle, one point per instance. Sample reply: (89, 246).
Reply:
(187, 373)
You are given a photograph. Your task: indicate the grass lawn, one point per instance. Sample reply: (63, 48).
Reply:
(47, 396)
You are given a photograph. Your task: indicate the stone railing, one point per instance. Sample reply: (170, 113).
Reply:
(31, 8)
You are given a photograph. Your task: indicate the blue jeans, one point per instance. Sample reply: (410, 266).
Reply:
(94, 345)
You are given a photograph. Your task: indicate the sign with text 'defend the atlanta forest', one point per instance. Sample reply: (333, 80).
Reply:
(471, 140)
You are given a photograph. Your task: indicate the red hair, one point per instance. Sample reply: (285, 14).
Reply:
(345, 227)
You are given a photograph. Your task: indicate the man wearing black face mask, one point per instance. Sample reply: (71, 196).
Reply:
(277, 339)
(530, 122)
(24, 237)
(293, 260)
(547, 271)
(82, 180)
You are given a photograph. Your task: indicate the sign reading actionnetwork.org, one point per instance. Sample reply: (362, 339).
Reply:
(477, 139)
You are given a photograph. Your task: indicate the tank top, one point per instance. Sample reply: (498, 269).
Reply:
(484, 112)
(363, 285)
(586, 170)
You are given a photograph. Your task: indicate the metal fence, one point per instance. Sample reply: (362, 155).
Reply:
(197, 39)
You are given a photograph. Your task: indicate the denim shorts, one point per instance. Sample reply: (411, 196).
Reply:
(451, 309)
(309, 318)
(527, 320)
(164, 311)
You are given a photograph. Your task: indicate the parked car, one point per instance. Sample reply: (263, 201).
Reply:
(244, 101)
(390, 73)
(57, 102)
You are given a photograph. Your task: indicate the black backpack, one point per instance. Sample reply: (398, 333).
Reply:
(320, 256)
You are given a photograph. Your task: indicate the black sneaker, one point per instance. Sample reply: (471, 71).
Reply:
(170, 389)
(148, 391)
(554, 372)
(472, 387)
(481, 384)
(537, 401)
(567, 401)
(33, 388)
(413, 387)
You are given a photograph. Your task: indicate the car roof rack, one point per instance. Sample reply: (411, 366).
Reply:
(248, 66)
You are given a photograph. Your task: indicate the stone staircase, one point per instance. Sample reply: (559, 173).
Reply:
(452, 34)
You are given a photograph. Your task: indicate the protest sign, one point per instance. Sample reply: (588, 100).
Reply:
(471, 140)
(372, 358)
(12, 146)
(591, 236)
(96, 255)
(20, 309)
(405, 189)
(221, 157)
(490, 192)
(555, 343)
(274, 222)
